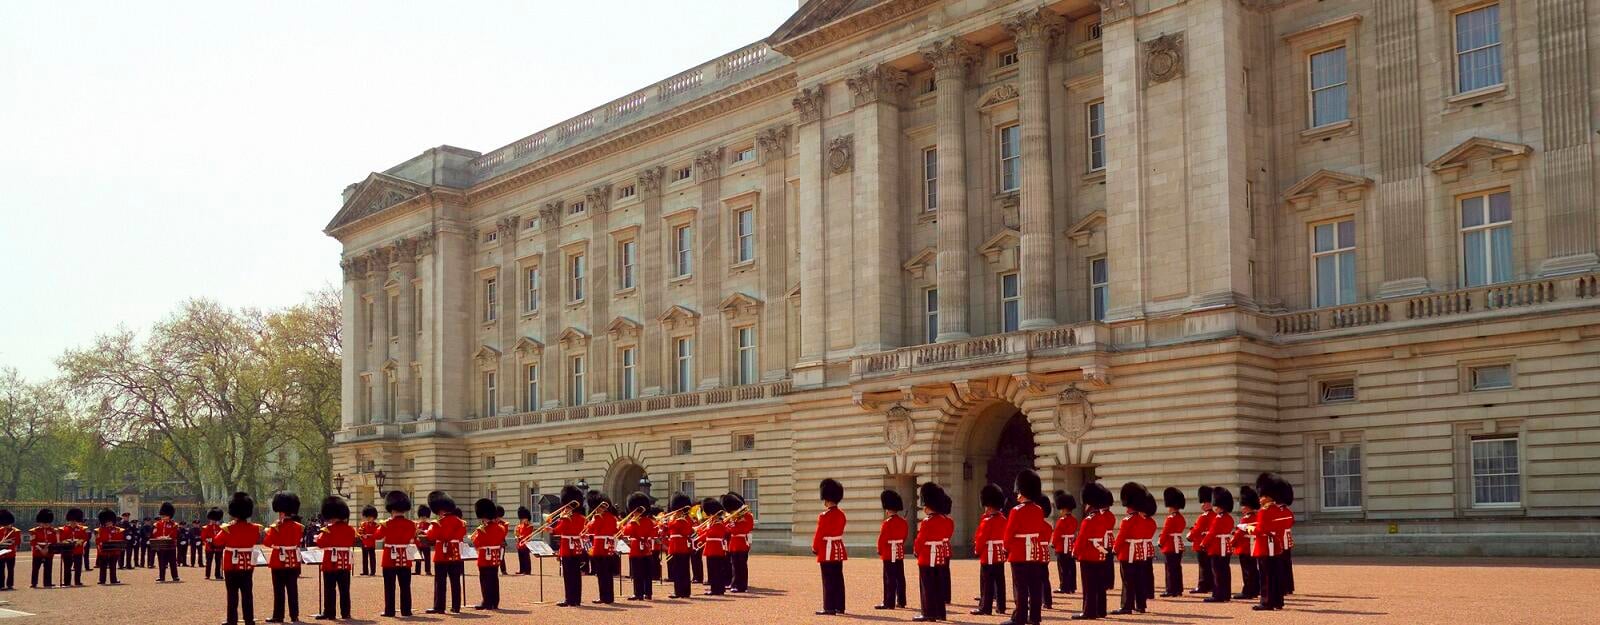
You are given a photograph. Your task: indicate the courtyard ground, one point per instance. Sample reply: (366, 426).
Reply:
(786, 590)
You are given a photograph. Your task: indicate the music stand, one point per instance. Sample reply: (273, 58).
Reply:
(313, 556)
(468, 552)
(540, 550)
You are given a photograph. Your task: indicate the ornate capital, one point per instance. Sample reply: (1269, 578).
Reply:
(876, 82)
(598, 197)
(708, 164)
(424, 245)
(355, 267)
(507, 227)
(809, 104)
(550, 214)
(1163, 58)
(405, 250)
(950, 59)
(841, 154)
(650, 179)
(1035, 29)
(1113, 11)
(774, 141)
(377, 262)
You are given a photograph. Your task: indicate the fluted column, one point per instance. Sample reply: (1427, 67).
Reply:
(951, 60)
(773, 218)
(652, 283)
(878, 289)
(813, 252)
(406, 299)
(350, 338)
(1035, 31)
(506, 324)
(378, 350)
(1568, 171)
(709, 269)
(552, 300)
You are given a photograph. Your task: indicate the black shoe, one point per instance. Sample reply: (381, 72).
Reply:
(1215, 600)
(563, 604)
(1240, 595)
(982, 612)
(1260, 608)
(634, 598)
(827, 612)
(920, 618)
(1083, 617)
(479, 607)
(883, 607)
(321, 617)
(387, 614)
(1197, 591)
(433, 611)
(1120, 611)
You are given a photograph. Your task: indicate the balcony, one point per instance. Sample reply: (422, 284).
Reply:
(640, 406)
(1461, 304)
(1060, 340)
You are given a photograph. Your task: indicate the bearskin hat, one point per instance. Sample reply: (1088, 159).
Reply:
(593, 499)
(679, 502)
(1044, 505)
(424, 511)
(891, 500)
(928, 495)
(570, 493)
(286, 503)
(1131, 492)
(710, 506)
(638, 501)
(1204, 496)
(214, 514)
(1274, 487)
(396, 501)
(1096, 494)
(832, 490)
(241, 506)
(731, 502)
(335, 508)
(1147, 504)
(992, 497)
(524, 513)
(1173, 498)
(74, 515)
(1028, 485)
(484, 508)
(1222, 499)
(1248, 498)
(167, 510)
(943, 503)
(6, 517)
(1065, 502)
(106, 517)
(370, 512)
(499, 511)
(441, 503)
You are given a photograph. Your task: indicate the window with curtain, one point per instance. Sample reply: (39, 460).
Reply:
(1477, 34)
(1486, 238)
(1330, 101)
(1333, 260)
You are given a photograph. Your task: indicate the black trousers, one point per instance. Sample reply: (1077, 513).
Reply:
(572, 580)
(1222, 577)
(48, 563)
(214, 564)
(1042, 572)
(1249, 577)
(1205, 583)
(992, 587)
(1025, 589)
(943, 575)
(369, 560)
(1174, 569)
(931, 584)
(336, 584)
(451, 573)
(1094, 588)
(832, 586)
(8, 573)
(697, 564)
(286, 590)
(678, 572)
(524, 562)
(425, 565)
(241, 595)
(894, 583)
(641, 569)
(1067, 569)
(718, 570)
(740, 561)
(1134, 594)
(106, 564)
(1272, 580)
(1288, 571)
(489, 586)
(604, 568)
(72, 569)
(392, 577)
(168, 560)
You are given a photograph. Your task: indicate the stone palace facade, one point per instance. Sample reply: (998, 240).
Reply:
(1172, 241)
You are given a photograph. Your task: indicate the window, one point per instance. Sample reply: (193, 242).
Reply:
(683, 372)
(746, 155)
(530, 286)
(1489, 377)
(1478, 49)
(1486, 238)
(1341, 477)
(626, 191)
(416, 310)
(745, 224)
(1099, 288)
(1333, 262)
(1335, 391)
(1011, 158)
(489, 462)
(687, 488)
(627, 254)
(372, 322)
(750, 493)
(575, 389)
(1096, 125)
(1007, 59)
(748, 367)
(491, 299)
(930, 308)
(491, 394)
(627, 380)
(490, 236)
(683, 250)
(411, 464)
(744, 442)
(530, 392)
(1496, 474)
(394, 316)
(574, 455)
(930, 179)
(1094, 31)
(576, 208)
(682, 173)
(1329, 81)
(576, 271)
(682, 446)
(1010, 303)
(391, 396)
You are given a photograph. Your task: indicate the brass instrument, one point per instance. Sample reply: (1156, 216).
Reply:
(715, 518)
(622, 526)
(557, 516)
(741, 512)
(666, 517)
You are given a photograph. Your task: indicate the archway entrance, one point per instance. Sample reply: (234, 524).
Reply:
(995, 443)
(622, 480)
(1013, 453)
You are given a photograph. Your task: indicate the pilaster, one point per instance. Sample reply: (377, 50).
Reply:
(602, 381)
(506, 327)
(651, 284)
(1125, 158)
(1567, 165)
(1035, 32)
(553, 296)
(1399, 193)
(378, 350)
(354, 362)
(813, 253)
(710, 267)
(406, 299)
(951, 60)
(774, 217)
(876, 207)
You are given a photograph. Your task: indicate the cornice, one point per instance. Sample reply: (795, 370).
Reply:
(855, 23)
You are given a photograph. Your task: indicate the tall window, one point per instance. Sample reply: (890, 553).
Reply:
(1097, 135)
(930, 179)
(491, 299)
(366, 397)
(1099, 288)
(750, 491)
(1478, 49)
(416, 311)
(576, 391)
(1486, 238)
(391, 395)
(748, 367)
(530, 286)
(1329, 100)
(683, 369)
(683, 250)
(577, 271)
(627, 253)
(1496, 473)
(394, 316)
(530, 392)
(372, 323)
(1341, 477)
(687, 488)
(930, 314)
(1011, 158)
(1333, 259)
(491, 393)
(745, 224)
(627, 378)
(1010, 303)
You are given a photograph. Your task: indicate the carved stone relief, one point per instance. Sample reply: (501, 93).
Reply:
(841, 154)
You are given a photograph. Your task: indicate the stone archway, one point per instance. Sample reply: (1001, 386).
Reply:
(994, 441)
(622, 479)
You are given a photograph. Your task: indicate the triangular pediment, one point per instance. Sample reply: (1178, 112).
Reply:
(1003, 92)
(739, 304)
(573, 337)
(1504, 155)
(678, 314)
(623, 326)
(793, 292)
(820, 22)
(812, 15)
(1001, 241)
(1086, 227)
(486, 354)
(1347, 187)
(372, 196)
(919, 263)
(526, 346)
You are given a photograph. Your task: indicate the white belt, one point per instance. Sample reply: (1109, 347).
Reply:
(897, 550)
(1177, 541)
(994, 553)
(1066, 545)
(833, 539)
(603, 540)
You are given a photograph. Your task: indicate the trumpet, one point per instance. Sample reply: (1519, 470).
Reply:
(622, 526)
(557, 516)
(715, 518)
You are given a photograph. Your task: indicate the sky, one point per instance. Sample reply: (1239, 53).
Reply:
(153, 152)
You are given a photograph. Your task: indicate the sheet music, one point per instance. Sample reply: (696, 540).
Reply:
(468, 552)
(259, 557)
(623, 548)
(413, 552)
(311, 556)
(541, 549)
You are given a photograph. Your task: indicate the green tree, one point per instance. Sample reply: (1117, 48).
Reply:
(29, 415)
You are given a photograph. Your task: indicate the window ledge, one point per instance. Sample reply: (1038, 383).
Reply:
(1476, 96)
(577, 303)
(1508, 510)
(489, 325)
(1005, 71)
(928, 216)
(681, 279)
(743, 165)
(625, 292)
(1098, 175)
(1325, 131)
(530, 314)
(742, 267)
(1355, 514)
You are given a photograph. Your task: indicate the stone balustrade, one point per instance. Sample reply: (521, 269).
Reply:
(1443, 305)
(1080, 337)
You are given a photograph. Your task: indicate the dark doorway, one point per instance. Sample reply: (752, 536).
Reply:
(1013, 453)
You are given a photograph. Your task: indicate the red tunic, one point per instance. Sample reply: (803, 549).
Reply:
(283, 538)
(164, 528)
(739, 531)
(1220, 528)
(105, 534)
(397, 534)
(714, 538)
(678, 531)
(10, 539)
(569, 533)
(208, 535)
(641, 536)
(989, 541)
(42, 536)
(1094, 535)
(602, 531)
(423, 527)
(1172, 533)
(828, 541)
(238, 540)
(336, 541)
(369, 533)
(892, 538)
(76, 534)
(490, 541)
(1027, 534)
(1239, 540)
(1065, 530)
(933, 540)
(1197, 534)
(524, 534)
(1271, 531)
(446, 536)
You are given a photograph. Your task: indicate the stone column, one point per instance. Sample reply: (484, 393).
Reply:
(651, 283)
(813, 253)
(1035, 31)
(601, 380)
(773, 219)
(552, 300)
(709, 268)
(350, 339)
(406, 251)
(951, 59)
(879, 292)
(378, 350)
(1399, 193)
(506, 324)
(1568, 171)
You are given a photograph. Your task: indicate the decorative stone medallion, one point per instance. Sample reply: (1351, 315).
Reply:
(841, 154)
(1074, 415)
(1163, 58)
(898, 429)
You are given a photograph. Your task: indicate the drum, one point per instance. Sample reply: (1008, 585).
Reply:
(163, 544)
(113, 545)
(59, 548)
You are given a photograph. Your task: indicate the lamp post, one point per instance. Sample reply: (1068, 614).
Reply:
(583, 486)
(338, 486)
(378, 478)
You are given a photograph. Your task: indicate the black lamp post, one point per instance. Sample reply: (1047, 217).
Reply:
(378, 478)
(338, 486)
(583, 485)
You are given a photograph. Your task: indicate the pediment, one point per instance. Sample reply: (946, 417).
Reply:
(1502, 156)
(390, 365)
(1001, 93)
(820, 22)
(739, 304)
(919, 263)
(1339, 185)
(678, 315)
(528, 347)
(1086, 227)
(573, 337)
(372, 196)
(793, 293)
(1001, 241)
(812, 15)
(486, 354)
(623, 326)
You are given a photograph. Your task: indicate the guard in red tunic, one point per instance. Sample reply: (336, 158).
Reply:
(1027, 537)
(1041, 555)
(524, 532)
(446, 536)
(1216, 545)
(1270, 538)
(828, 544)
(213, 549)
(1239, 545)
(164, 541)
(424, 523)
(42, 536)
(1172, 541)
(712, 535)
(892, 550)
(1134, 548)
(989, 544)
(111, 542)
(640, 532)
(283, 558)
(679, 531)
(338, 541)
(489, 538)
(74, 533)
(933, 551)
(238, 538)
(367, 536)
(1197, 536)
(600, 532)
(10, 542)
(741, 524)
(1091, 549)
(1061, 537)
(568, 531)
(398, 534)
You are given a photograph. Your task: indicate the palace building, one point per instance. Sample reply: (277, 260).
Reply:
(1173, 241)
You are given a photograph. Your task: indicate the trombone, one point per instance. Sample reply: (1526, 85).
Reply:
(741, 512)
(715, 518)
(689, 510)
(622, 526)
(556, 517)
